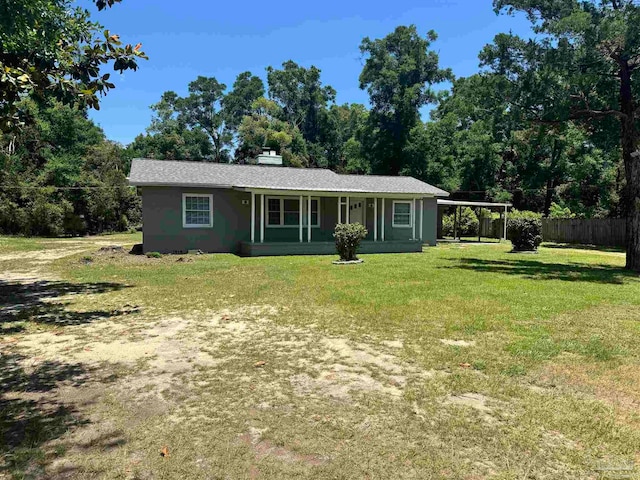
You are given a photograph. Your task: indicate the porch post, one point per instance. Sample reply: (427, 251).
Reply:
(262, 218)
(505, 221)
(348, 205)
(309, 220)
(300, 218)
(421, 219)
(375, 219)
(339, 209)
(382, 219)
(414, 217)
(253, 217)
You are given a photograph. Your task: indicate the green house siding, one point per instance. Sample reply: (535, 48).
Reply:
(163, 229)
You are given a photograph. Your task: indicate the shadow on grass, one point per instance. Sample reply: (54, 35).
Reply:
(548, 271)
(32, 413)
(29, 415)
(33, 301)
(579, 246)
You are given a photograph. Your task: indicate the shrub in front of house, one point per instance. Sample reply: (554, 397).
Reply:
(348, 238)
(524, 229)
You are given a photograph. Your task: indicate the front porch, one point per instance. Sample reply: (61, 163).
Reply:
(293, 223)
(249, 249)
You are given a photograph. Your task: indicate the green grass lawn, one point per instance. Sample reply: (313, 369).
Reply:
(545, 346)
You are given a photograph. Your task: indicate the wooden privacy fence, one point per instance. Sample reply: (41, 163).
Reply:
(608, 232)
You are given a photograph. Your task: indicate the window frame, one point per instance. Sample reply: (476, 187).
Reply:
(184, 210)
(411, 214)
(282, 198)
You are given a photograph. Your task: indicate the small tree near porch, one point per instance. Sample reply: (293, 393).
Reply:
(348, 238)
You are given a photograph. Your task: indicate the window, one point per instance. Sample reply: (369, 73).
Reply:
(197, 210)
(402, 213)
(285, 211)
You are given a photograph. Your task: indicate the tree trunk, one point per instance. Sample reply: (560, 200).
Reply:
(629, 136)
(548, 198)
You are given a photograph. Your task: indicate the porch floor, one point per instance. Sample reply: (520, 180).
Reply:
(257, 249)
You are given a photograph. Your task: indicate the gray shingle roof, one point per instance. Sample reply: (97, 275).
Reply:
(204, 174)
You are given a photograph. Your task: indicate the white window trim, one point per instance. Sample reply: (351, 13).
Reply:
(184, 210)
(297, 199)
(411, 215)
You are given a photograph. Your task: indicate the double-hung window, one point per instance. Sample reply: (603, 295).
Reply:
(402, 213)
(285, 212)
(197, 210)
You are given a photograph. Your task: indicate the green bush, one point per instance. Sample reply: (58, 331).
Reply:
(558, 211)
(348, 238)
(524, 229)
(467, 223)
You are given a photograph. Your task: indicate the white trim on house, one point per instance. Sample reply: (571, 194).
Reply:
(393, 214)
(184, 210)
(282, 198)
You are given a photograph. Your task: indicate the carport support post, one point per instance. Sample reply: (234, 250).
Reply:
(479, 224)
(455, 223)
(253, 217)
(505, 221)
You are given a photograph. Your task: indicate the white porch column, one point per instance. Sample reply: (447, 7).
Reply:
(505, 222)
(348, 205)
(253, 217)
(414, 217)
(339, 209)
(300, 209)
(421, 219)
(382, 236)
(309, 220)
(375, 219)
(262, 218)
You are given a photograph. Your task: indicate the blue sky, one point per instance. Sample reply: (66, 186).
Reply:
(221, 39)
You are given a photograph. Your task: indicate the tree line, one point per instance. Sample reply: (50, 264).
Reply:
(549, 122)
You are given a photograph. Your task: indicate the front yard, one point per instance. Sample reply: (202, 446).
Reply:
(464, 362)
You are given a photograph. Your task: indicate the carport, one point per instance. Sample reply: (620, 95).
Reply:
(444, 205)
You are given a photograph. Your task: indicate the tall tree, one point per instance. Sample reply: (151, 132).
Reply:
(398, 74)
(202, 109)
(239, 101)
(584, 65)
(51, 49)
(304, 102)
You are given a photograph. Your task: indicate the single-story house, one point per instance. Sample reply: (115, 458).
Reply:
(268, 209)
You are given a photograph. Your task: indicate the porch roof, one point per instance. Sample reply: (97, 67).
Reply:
(146, 172)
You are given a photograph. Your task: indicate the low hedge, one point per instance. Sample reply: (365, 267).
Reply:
(348, 238)
(524, 229)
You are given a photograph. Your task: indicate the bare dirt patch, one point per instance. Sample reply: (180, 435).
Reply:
(458, 343)
(265, 448)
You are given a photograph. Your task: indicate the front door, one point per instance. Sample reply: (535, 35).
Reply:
(356, 210)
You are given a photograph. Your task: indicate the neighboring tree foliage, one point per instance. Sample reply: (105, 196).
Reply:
(52, 49)
(398, 73)
(64, 177)
(583, 66)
